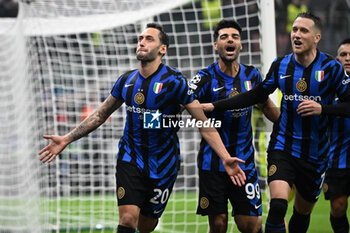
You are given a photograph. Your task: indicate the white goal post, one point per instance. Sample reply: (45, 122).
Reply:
(59, 60)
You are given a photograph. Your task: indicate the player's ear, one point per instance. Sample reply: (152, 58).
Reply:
(216, 46)
(163, 49)
(317, 37)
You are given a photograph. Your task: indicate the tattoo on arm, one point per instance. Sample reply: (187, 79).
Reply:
(96, 119)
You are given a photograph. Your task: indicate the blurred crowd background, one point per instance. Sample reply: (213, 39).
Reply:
(335, 16)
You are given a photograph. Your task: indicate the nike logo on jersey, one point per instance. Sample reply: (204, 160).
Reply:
(286, 76)
(128, 85)
(216, 89)
(257, 206)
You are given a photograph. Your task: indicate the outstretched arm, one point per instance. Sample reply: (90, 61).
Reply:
(211, 135)
(58, 143)
(257, 95)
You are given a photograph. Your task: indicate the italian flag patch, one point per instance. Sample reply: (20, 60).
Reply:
(319, 75)
(248, 85)
(157, 87)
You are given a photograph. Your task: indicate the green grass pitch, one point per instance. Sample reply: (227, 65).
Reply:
(185, 219)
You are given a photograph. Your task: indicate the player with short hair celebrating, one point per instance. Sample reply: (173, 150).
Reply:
(220, 80)
(148, 158)
(299, 149)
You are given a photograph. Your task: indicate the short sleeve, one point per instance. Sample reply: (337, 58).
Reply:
(341, 81)
(199, 83)
(184, 93)
(270, 82)
(117, 90)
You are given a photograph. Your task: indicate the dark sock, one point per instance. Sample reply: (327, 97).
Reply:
(275, 218)
(299, 223)
(123, 229)
(340, 225)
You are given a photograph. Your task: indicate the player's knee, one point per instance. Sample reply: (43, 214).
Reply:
(248, 228)
(278, 209)
(218, 223)
(128, 220)
(252, 224)
(339, 207)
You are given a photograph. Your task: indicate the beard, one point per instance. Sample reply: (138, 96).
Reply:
(227, 59)
(148, 57)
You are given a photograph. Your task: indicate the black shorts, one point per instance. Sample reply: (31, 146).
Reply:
(216, 188)
(336, 183)
(134, 188)
(307, 177)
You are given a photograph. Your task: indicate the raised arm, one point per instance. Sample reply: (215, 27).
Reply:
(58, 143)
(211, 135)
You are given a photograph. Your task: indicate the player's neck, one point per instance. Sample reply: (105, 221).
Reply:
(229, 68)
(146, 69)
(305, 59)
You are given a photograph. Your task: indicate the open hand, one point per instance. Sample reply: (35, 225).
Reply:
(56, 145)
(236, 174)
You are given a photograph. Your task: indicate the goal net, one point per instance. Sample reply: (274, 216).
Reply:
(59, 61)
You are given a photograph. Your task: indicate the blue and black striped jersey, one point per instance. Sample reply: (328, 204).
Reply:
(305, 137)
(340, 143)
(155, 151)
(211, 84)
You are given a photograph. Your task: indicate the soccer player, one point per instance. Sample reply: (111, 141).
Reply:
(298, 151)
(148, 158)
(337, 181)
(220, 80)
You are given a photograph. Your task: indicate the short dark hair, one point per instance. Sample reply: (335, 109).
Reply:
(226, 24)
(164, 38)
(316, 19)
(345, 41)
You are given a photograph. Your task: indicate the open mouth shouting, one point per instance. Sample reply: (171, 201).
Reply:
(230, 50)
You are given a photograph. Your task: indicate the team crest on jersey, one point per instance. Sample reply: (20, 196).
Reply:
(121, 192)
(204, 203)
(233, 93)
(301, 85)
(157, 87)
(139, 98)
(319, 75)
(248, 85)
